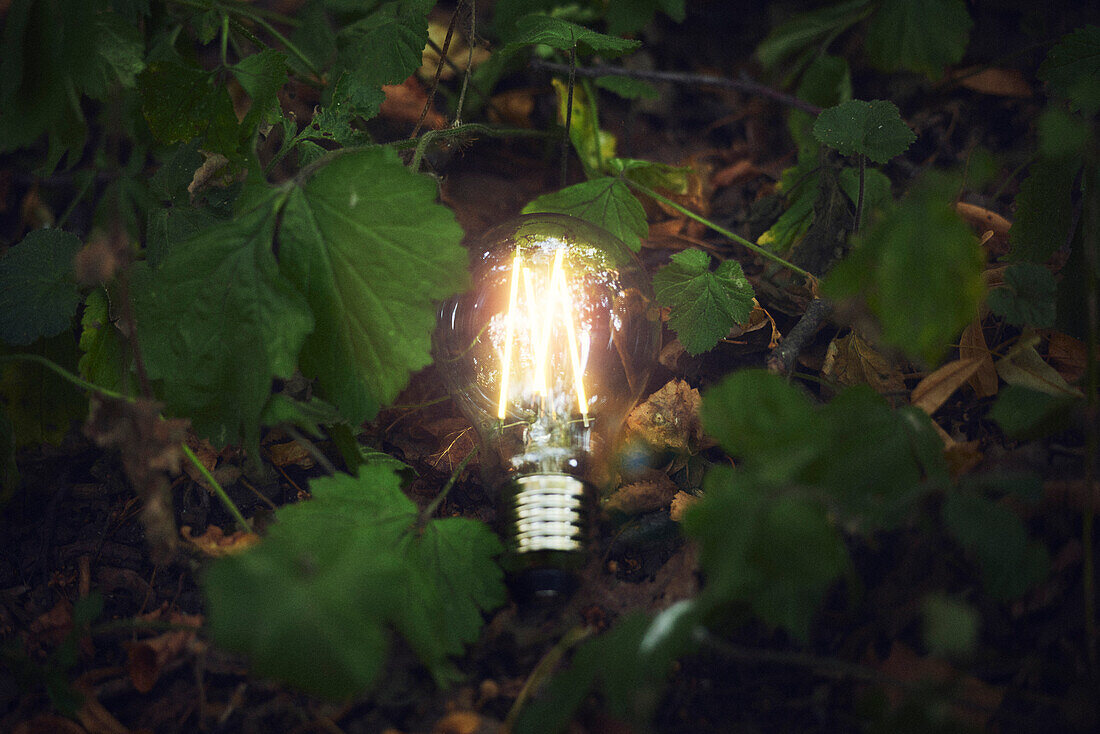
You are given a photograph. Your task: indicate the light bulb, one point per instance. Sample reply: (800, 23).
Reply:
(546, 355)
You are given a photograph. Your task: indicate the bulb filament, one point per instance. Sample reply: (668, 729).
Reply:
(542, 310)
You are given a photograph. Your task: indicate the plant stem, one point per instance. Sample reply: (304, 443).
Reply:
(859, 202)
(720, 230)
(228, 503)
(435, 503)
(64, 373)
(705, 80)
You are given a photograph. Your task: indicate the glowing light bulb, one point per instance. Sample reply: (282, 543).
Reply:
(545, 355)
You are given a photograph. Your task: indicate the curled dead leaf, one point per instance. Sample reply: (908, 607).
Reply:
(934, 390)
(983, 220)
(146, 659)
(995, 81)
(680, 504)
(852, 360)
(214, 542)
(972, 345)
(669, 419)
(652, 493)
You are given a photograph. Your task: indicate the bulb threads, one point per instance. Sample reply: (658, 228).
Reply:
(548, 513)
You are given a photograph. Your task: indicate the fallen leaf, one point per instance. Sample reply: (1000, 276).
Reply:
(1024, 367)
(669, 419)
(680, 504)
(289, 453)
(458, 52)
(652, 493)
(977, 699)
(983, 221)
(1067, 355)
(513, 107)
(211, 174)
(851, 360)
(404, 102)
(215, 543)
(147, 658)
(995, 81)
(934, 390)
(962, 457)
(972, 345)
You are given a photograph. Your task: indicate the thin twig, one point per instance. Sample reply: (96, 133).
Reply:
(569, 117)
(782, 358)
(438, 71)
(435, 503)
(471, 42)
(749, 86)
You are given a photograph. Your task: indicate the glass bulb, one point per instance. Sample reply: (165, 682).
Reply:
(546, 355)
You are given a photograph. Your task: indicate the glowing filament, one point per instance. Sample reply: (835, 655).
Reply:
(539, 320)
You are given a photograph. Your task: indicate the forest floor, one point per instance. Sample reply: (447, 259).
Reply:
(73, 529)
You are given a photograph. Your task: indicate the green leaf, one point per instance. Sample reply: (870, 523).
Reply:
(1072, 69)
(38, 289)
(826, 82)
(117, 57)
(995, 535)
(606, 202)
(874, 129)
(1062, 135)
(800, 185)
(309, 415)
(262, 75)
(40, 404)
(343, 569)
(385, 46)
(563, 35)
(919, 269)
(776, 553)
(1023, 413)
(628, 88)
(104, 360)
(922, 37)
(661, 176)
(630, 16)
(950, 626)
(807, 30)
(759, 417)
(704, 305)
(1027, 296)
(184, 102)
(217, 322)
(364, 241)
(876, 188)
(1044, 210)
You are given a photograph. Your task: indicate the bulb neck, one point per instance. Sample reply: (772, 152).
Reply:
(546, 537)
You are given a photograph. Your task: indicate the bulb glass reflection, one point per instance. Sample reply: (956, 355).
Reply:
(545, 355)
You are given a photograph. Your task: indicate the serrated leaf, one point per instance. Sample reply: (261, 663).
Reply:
(563, 35)
(776, 553)
(922, 37)
(262, 75)
(343, 569)
(995, 535)
(385, 46)
(606, 202)
(1072, 69)
(704, 305)
(874, 129)
(1027, 296)
(628, 88)
(364, 241)
(1044, 210)
(217, 322)
(183, 102)
(38, 289)
(117, 57)
(806, 30)
(919, 269)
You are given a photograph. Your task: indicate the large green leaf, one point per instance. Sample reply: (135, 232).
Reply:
(1072, 69)
(184, 102)
(385, 46)
(918, 36)
(806, 30)
(704, 305)
(874, 129)
(340, 571)
(1044, 210)
(364, 241)
(606, 202)
(261, 75)
(104, 359)
(919, 269)
(1027, 296)
(563, 35)
(776, 553)
(38, 290)
(217, 321)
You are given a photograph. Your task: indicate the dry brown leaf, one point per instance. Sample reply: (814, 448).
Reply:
(995, 81)
(906, 665)
(680, 504)
(962, 457)
(934, 390)
(214, 542)
(404, 102)
(984, 221)
(653, 492)
(758, 319)
(214, 172)
(465, 722)
(669, 419)
(743, 169)
(1025, 367)
(1067, 355)
(851, 360)
(513, 107)
(147, 658)
(458, 52)
(972, 345)
(289, 453)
